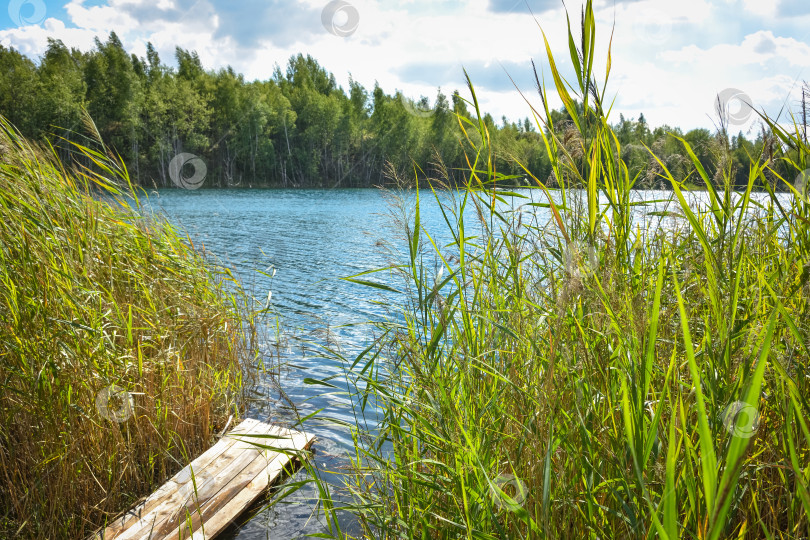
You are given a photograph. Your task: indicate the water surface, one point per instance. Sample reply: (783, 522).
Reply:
(312, 238)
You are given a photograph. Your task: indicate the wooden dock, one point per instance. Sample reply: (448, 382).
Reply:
(208, 494)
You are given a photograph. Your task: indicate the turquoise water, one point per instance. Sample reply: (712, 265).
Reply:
(311, 238)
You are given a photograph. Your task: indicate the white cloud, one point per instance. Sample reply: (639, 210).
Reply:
(33, 40)
(758, 48)
(101, 18)
(761, 9)
(669, 58)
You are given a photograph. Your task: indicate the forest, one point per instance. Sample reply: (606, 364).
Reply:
(299, 128)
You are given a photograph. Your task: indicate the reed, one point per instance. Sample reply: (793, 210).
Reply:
(602, 373)
(123, 350)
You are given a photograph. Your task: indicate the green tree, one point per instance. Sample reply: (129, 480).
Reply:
(114, 95)
(60, 94)
(18, 95)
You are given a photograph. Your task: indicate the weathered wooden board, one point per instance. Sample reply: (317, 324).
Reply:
(209, 493)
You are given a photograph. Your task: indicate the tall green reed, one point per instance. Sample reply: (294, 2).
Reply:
(598, 373)
(123, 350)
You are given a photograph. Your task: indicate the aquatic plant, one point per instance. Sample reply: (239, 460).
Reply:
(594, 365)
(123, 350)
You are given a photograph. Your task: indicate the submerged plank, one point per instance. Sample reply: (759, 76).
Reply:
(209, 493)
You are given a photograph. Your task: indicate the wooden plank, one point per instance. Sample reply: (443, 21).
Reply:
(124, 522)
(174, 492)
(228, 477)
(242, 490)
(188, 507)
(154, 519)
(244, 496)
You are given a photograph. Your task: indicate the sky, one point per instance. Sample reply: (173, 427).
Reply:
(671, 60)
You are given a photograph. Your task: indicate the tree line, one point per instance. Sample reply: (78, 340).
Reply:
(296, 129)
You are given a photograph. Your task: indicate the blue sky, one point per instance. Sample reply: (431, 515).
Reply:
(670, 59)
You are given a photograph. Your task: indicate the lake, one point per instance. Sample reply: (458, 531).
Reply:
(311, 238)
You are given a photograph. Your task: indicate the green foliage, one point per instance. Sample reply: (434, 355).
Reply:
(298, 128)
(122, 350)
(17, 89)
(587, 371)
